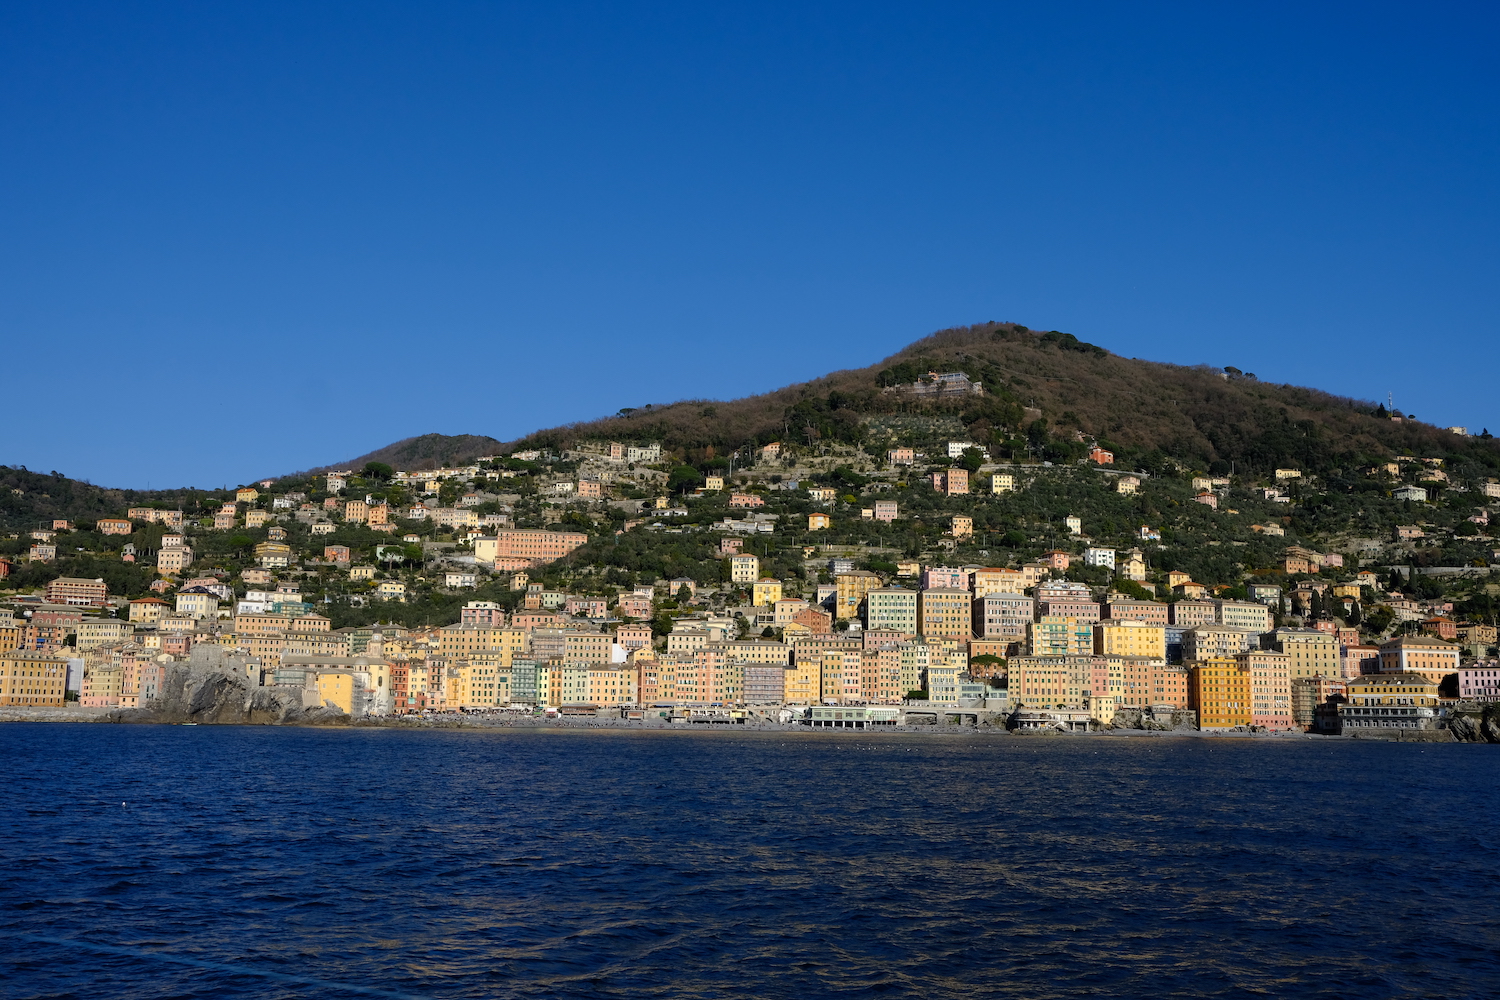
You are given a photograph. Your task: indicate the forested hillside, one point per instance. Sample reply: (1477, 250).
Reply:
(34, 499)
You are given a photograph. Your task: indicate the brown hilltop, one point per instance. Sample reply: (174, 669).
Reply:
(1142, 409)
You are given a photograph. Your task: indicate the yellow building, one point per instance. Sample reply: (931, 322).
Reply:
(963, 526)
(336, 687)
(1059, 635)
(1002, 482)
(804, 680)
(1313, 653)
(852, 589)
(1057, 681)
(147, 609)
(587, 648)
(945, 613)
(612, 685)
(1219, 689)
(460, 641)
(32, 679)
(357, 573)
(1420, 654)
(1130, 638)
(1382, 690)
(483, 685)
(916, 658)
(271, 554)
(10, 633)
(818, 522)
(744, 568)
(842, 676)
(99, 631)
(391, 590)
(765, 592)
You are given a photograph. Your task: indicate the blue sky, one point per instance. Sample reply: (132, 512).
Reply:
(244, 239)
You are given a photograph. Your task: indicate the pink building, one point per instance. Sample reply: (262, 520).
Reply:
(1480, 681)
(954, 482)
(900, 456)
(588, 607)
(729, 546)
(1057, 559)
(885, 510)
(1357, 660)
(745, 500)
(633, 636)
(177, 643)
(1069, 607)
(1100, 455)
(590, 489)
(634, 606)
(944, 578)
(484, 613)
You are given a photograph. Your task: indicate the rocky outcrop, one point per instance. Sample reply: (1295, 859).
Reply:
(1476, 726)
(1148, 721)
(214, 686)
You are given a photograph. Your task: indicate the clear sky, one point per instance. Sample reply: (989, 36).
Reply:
(241, 239)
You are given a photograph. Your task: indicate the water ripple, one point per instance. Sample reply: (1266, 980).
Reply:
(269, 863)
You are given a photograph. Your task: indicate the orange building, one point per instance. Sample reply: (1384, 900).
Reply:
(536, 546)
(1219, 689)
(945, 613)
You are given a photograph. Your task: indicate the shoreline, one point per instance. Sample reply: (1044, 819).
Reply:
(482, 723)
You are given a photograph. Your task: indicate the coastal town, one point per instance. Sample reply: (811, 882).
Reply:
(810, 583)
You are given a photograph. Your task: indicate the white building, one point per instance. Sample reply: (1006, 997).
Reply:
(643, 453)
(1099, 557)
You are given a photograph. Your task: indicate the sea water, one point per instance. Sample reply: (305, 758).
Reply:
(218, 861)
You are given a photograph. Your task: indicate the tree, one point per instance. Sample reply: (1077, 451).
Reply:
(971, 459)
(682, 478)
(1379, 619)
(986, 660)
(377, 470)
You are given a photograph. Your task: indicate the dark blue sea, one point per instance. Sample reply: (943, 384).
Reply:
(213, 862)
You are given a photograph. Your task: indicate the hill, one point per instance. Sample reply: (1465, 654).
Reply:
(425, 451)
(30, 500)
(1046, 395)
